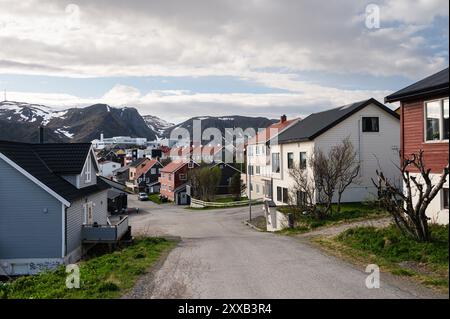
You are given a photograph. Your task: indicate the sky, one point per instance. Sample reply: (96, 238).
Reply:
(176, 58)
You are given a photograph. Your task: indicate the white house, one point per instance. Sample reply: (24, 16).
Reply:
(106, 168)
(373, 129)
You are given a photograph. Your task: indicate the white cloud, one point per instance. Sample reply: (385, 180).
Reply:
(177, 106)
(179, 38)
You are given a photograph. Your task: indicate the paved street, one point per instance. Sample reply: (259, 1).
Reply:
(220, 257)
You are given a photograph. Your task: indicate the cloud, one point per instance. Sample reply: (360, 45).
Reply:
(179, 105)
(198, 38)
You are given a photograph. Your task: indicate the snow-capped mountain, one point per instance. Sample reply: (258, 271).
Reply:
(20, 122)
(222, 122)
(158, 125)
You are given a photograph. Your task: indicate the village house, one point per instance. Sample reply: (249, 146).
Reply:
(65, 207)
(258, 159)
(372, 128)
(424, 118)
(174, 177)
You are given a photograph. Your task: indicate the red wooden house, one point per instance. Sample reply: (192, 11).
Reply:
(424, 122)
(174, 180)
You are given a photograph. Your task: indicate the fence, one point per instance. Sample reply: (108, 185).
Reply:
(196, 203)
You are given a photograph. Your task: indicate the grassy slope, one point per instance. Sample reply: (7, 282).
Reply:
(106, 276)
(394, 252)
(350, 212)
(154, 198)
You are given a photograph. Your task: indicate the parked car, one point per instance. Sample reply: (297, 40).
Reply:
(143, 196)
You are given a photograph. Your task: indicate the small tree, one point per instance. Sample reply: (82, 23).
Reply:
(347, 167)
(408, 207)
(303, 191)
(204, 181)
(236, 187)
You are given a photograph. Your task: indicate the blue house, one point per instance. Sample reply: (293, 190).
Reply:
(52, 206)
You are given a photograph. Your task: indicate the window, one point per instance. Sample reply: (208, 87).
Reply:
(302, 160)
(257, 188)
(276, 162)
(370, 124)
(153, 171)
(87, 171)
(437, 118)
(445, 198)
(250, 150)
(170, 177)
(279, 194)
(301, 198)
(285, 195)
(258, 170)
(257, 149)
(290, 160)
(182, 177)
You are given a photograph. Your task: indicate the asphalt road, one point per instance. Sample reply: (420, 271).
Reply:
(220, 257)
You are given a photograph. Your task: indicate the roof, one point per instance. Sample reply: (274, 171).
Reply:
(318, 123)
(114, 184)
(138, 162)
(271, 131)
(172, 167)
(68, 158)
(433, 85)
(37, 161)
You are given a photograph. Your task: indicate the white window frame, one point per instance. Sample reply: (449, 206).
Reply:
(88, 171)
(85, 207)
(441, 121)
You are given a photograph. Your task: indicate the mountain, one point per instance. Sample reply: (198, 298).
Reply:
(21, 121)
(158, 125)
(222, 122)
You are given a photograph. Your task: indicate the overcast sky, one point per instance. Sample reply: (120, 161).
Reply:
(180, 58)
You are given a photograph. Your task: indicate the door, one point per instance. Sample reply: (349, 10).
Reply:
(88, 213)
(183, 198)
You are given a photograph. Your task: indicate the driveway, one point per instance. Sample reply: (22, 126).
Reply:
(220, 257)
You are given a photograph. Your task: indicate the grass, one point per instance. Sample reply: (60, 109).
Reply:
(350, 212)
(154, 198)
(395, 252)
(228, 199)
(105, 276)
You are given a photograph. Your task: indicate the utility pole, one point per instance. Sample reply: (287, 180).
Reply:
(249, 192)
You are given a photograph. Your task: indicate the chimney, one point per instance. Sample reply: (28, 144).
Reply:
(283, 118)
(41, 134)
(101, 137)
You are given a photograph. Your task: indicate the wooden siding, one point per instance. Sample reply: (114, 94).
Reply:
(30, 218)
(412, 137)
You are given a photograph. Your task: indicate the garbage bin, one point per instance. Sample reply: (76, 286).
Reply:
(290, 220)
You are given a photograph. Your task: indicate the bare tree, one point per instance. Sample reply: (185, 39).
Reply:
(303, 191)
(325, 179)
(204, 181)
(408, 207)
(346, 165)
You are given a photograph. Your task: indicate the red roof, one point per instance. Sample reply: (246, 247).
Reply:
(271, 131)
(173, 166)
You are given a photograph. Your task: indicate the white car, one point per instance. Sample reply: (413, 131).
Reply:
(143, 196)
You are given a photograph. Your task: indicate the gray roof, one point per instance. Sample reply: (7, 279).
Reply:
(42, 161)
(433, 85)
(318, 123)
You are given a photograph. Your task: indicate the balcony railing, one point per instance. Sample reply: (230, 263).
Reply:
(105, 233)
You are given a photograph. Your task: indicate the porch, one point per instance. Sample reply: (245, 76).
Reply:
(111, 233)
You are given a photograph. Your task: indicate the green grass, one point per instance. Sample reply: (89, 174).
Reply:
(154, 198)
(349, 212)
(228, 199)
(105, 276)
(395, 252)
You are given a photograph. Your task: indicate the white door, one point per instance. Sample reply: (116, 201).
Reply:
(88, 213)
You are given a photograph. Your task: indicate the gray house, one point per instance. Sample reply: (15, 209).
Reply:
(51, 206)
